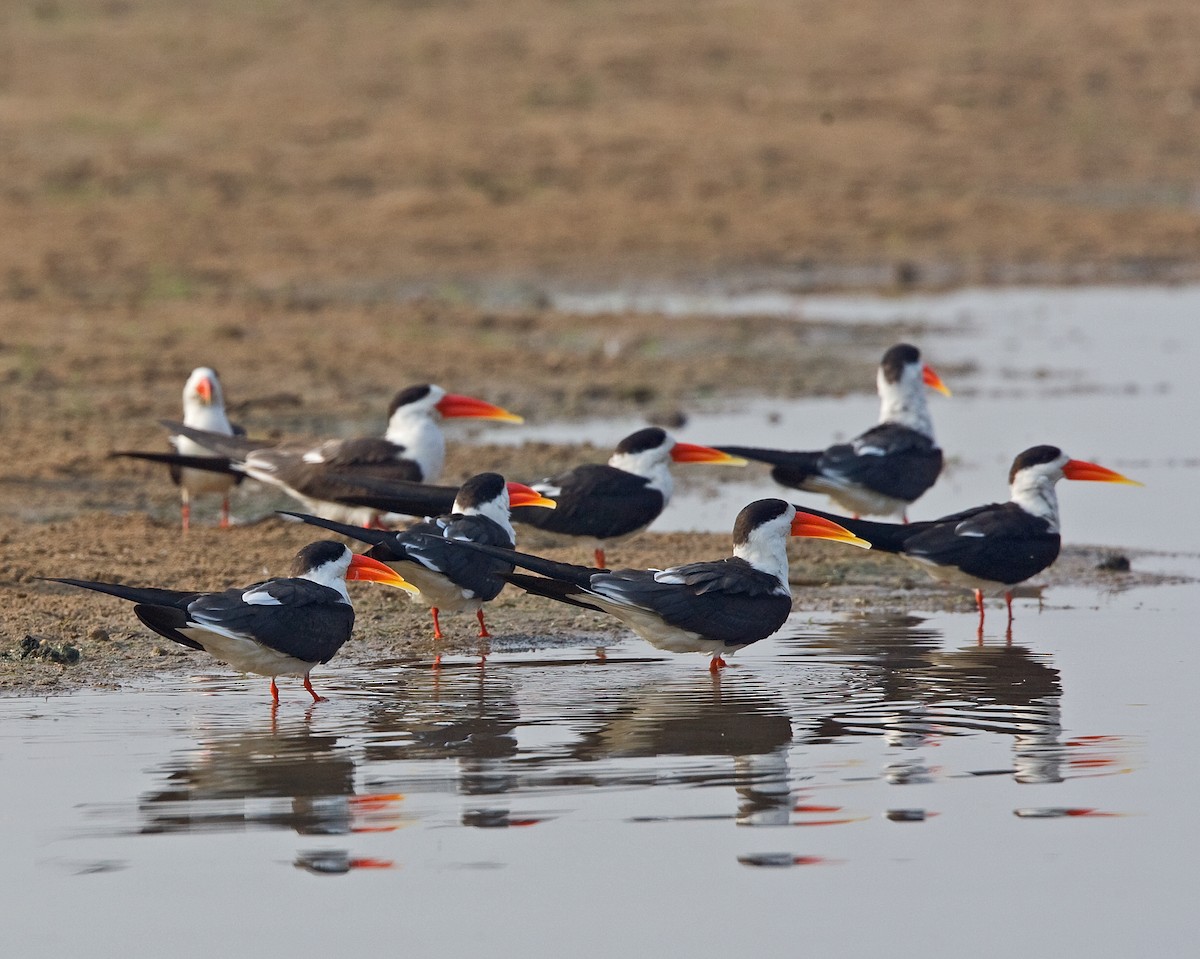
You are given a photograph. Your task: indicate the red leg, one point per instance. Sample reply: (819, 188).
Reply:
(601, 563)
(1008, 602)
(904, 517)
(483, 630)
(602, 654)
(312, 692)
(225, 513)
(185, 514)
(437, 634)
(717, 664)
(274, 692)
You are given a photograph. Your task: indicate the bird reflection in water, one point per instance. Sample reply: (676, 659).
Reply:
(455, 714)
(698, 717)
(286, 777)
(922, 693)
(337, 862)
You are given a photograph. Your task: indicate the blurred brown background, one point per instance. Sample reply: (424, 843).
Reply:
(156, 150)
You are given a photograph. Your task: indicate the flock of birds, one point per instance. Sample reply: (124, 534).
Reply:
(463, 553)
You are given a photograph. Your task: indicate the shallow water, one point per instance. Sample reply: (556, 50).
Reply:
(1108, 374)
(855, 785)
(850, 785)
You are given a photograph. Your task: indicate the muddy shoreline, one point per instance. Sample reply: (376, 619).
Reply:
(203, 184)
(56, 639)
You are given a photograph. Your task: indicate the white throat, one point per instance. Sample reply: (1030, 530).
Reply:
(421, 436)
(332, 575)
(766, 550)
(497, 511)
(1035, 493)
(209, 417)
(653, 465)
(904, 402)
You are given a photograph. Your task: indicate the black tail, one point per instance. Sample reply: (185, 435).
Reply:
(551, 589)
(411, 499)
(791, 468)
(163, 610)
(214, 464)
(564, 572)
(135, 594)
(886, 537)
(372, 536)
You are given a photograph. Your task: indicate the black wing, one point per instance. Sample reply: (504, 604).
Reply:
(482, 574)
(889, 459)
(727, 600)
(594, 500)
(360, 451)
(308, 621)
(1001, 542)
(235, 447)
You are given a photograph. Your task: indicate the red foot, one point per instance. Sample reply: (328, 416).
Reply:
(185, 515)
(312, 692)
(601, 562)
(483, 630)
(225, 513)
(437, 627)
(717, 664)
(274, 692)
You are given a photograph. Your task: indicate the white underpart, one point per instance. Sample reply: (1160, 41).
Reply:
(656, 632)
(904, 402)
(210, 417)
(857, 499)
(436, 590)
(245, 654)
(417, 427)
(338, 512)
(1033, 490)
(956, 577)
